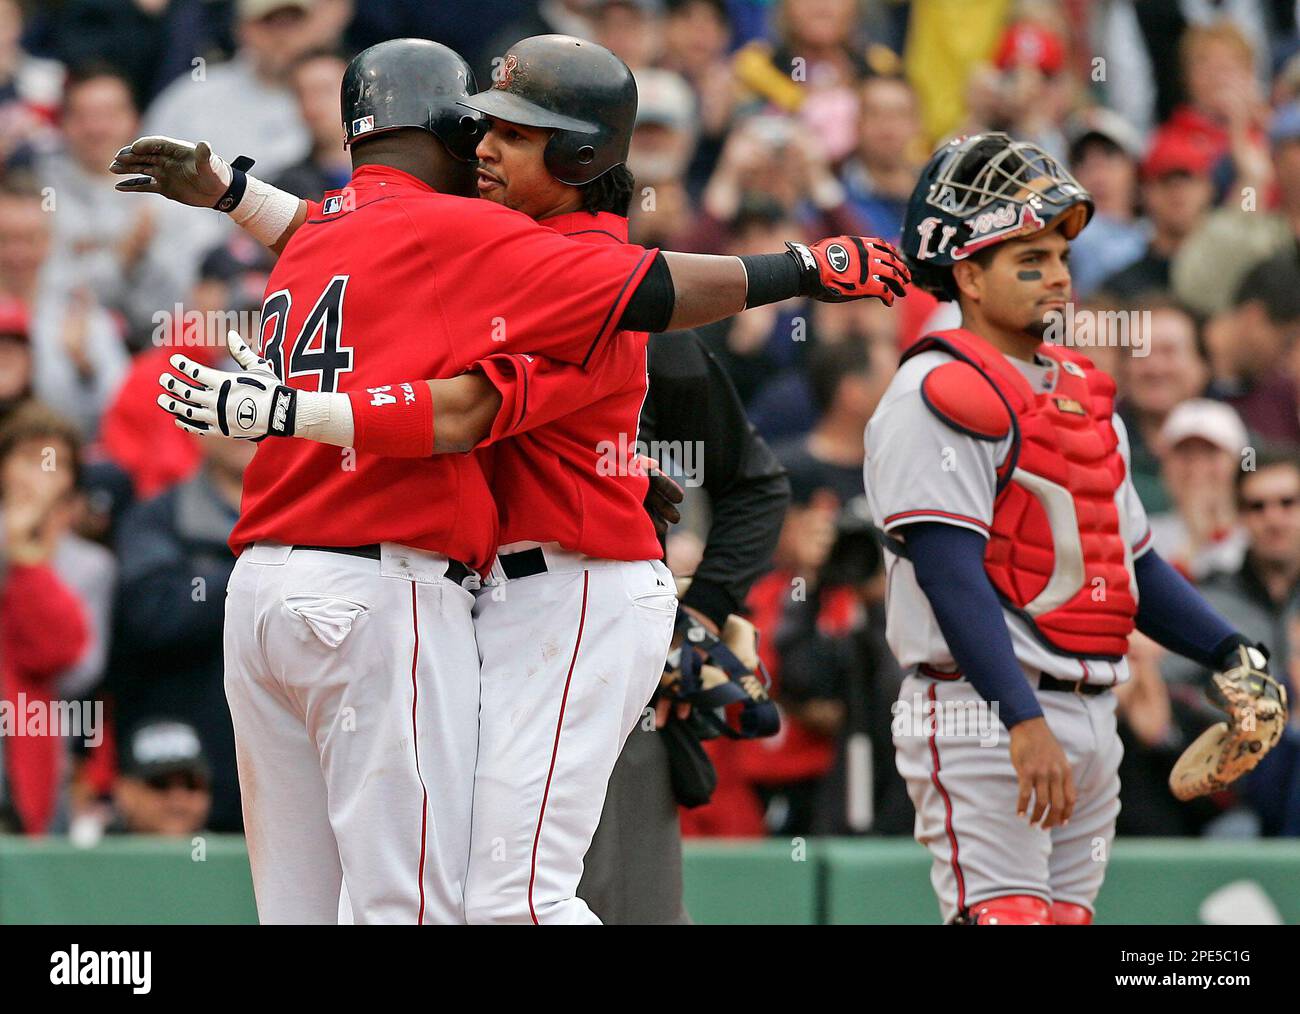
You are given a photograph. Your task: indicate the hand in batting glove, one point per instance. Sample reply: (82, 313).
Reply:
(181, 171)
(246, 405)
(841, 268)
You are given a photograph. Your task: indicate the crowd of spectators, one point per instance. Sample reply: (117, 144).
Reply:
(759, 121)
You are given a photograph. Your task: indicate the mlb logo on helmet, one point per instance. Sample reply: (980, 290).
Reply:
(363, 125)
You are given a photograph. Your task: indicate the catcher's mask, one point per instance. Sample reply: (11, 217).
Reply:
(978, 191)
(729, 697)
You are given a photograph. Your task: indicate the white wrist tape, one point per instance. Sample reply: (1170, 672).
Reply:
(324, 417)
(222, 168)
(264, 212)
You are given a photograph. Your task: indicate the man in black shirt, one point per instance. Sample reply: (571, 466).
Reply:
(633, 870)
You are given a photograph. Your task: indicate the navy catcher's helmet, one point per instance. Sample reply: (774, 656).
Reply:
(579, 90)
(411, 83)
(982, 190)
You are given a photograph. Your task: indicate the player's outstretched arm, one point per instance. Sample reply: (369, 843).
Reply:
(192, 174)
(682, 291)
(395, 420)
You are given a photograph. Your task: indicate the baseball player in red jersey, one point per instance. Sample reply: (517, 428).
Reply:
(350, 652)
(519, 873)
(579, 565)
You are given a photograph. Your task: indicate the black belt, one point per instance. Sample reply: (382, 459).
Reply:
(524, 563)
(1045, 682)
(456, 571)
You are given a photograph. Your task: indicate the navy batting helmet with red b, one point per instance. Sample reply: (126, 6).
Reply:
(411, 83)
(579, 90)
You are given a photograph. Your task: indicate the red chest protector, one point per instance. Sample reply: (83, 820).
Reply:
(1056, 553)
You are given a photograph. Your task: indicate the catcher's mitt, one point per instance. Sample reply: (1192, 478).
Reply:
(722, 679)
(1256, 707)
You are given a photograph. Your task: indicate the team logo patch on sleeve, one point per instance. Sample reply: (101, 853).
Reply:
(363, 125)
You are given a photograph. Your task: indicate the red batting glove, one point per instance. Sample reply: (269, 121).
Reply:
(852, 267)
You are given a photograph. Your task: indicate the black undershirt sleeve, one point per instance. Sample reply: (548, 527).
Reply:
(770, 278)
(651, 306)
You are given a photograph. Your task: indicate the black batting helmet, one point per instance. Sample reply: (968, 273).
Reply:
(982, 190)
(580, 90)
(411, 83)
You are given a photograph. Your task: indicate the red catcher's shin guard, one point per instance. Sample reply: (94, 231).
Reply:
(1065, 914)
(1011, 910)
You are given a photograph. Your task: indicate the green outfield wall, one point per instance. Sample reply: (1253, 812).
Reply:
(837, 881)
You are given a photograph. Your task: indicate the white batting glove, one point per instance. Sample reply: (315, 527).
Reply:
(247, 405)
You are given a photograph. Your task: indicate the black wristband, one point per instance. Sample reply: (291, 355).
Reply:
(229, 201)
(1225, 652)
(774, 277)
(284, 413)
(713, 600)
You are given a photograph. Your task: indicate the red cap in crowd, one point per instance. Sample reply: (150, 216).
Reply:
(1026, 43)
(1173, 151)
(14, 322)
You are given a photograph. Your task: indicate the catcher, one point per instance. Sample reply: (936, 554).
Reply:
(1019, 558)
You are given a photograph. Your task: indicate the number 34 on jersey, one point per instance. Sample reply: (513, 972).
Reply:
(318, 350)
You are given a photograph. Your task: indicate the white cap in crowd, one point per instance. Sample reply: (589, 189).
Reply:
(255, 10)
(664, 99)
(1212, 421)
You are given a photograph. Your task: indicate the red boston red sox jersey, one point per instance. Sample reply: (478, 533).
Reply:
(388, 278)
(566, 476)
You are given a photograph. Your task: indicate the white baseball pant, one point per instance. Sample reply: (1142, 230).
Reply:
(964, 788)
(353, 686)
(570, 659)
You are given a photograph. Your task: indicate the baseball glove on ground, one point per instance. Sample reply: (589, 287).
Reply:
(1257, 713)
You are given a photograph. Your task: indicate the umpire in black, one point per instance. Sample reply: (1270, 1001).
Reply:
(633, 870)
